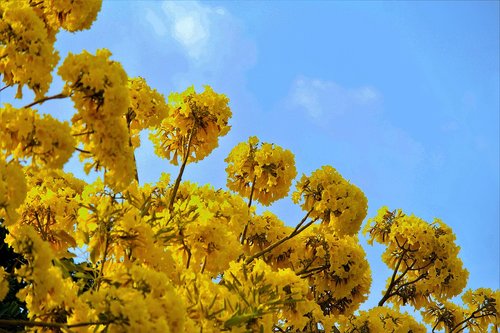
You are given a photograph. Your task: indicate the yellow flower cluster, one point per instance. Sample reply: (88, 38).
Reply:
(210, 222)
(336, 268)
(263, 171)
(13, 190)
(265, 296)
(479, 313)
(99, 89)
(382, 319)
(147, 108)
(485, 304)
(51, 209)
(263, 230)
(193, 127)
(27, 54)
(179, 257)
(424, 254)
(331, 198)
(47, 294)
(138, 300)
(71, 15)
(24, 134)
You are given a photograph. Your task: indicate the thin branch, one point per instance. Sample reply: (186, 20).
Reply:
(472, 316)
(84, 133)
(181, 171)
(244, 234)
(82, 150)
(43, 100)
(393, 278)
(423, 276)
(312, 270)
(28, 323)
(298, 229)
(132, 147)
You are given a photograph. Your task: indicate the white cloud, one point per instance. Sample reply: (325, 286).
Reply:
(324, 99)
(190, 25)
(210, 40)
(354, 121)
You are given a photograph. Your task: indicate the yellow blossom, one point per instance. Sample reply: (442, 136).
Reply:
(261, 171)
(328, 196)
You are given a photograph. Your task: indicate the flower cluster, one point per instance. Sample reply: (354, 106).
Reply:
(72, 15)
(209, 223)
(424, 254)
(51, 209)
(382, 319)
(24, 134)
(178, 256)
(13, 190)
(336, 268)
(480, 306)
(326, 195)
(147, 108)
(195, 123)
(99, 89)
(263, 171)
(261, 293)
(27, 54)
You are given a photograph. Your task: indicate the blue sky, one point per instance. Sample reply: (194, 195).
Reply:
(401, 97)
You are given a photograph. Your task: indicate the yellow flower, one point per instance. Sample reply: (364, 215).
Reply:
(12, 190)
(424, 254)
(193, 128)
(331, 198)
(27, 54)
(99, 89)
(262, 171)
(381, 319)
(147, 108)
(24, 134)
(72, 16)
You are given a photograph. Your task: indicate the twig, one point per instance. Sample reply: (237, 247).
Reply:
(244, 234)
(43, 100)
(298, 229)
(28, 323)
(181, 171)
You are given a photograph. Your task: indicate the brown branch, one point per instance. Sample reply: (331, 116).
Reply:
(82, 150)
(43, 100)
(84, 133)
(28, 323)
(393, 279)
(472, 316)
(298, 229)
(312, 270)
(423, 276)
(104, 256)
(181, 171)
(245, 229)
(132, 147)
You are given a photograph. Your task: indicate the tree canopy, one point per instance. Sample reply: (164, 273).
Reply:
(175, 256)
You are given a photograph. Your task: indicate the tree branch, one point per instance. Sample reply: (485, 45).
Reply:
(472, 316)
(28, 323)
(393, 278)
(181, 171)
(43, 100)
(298, 229)
(244, 234)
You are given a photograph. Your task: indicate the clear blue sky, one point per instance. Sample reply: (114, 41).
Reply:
(401, 97)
